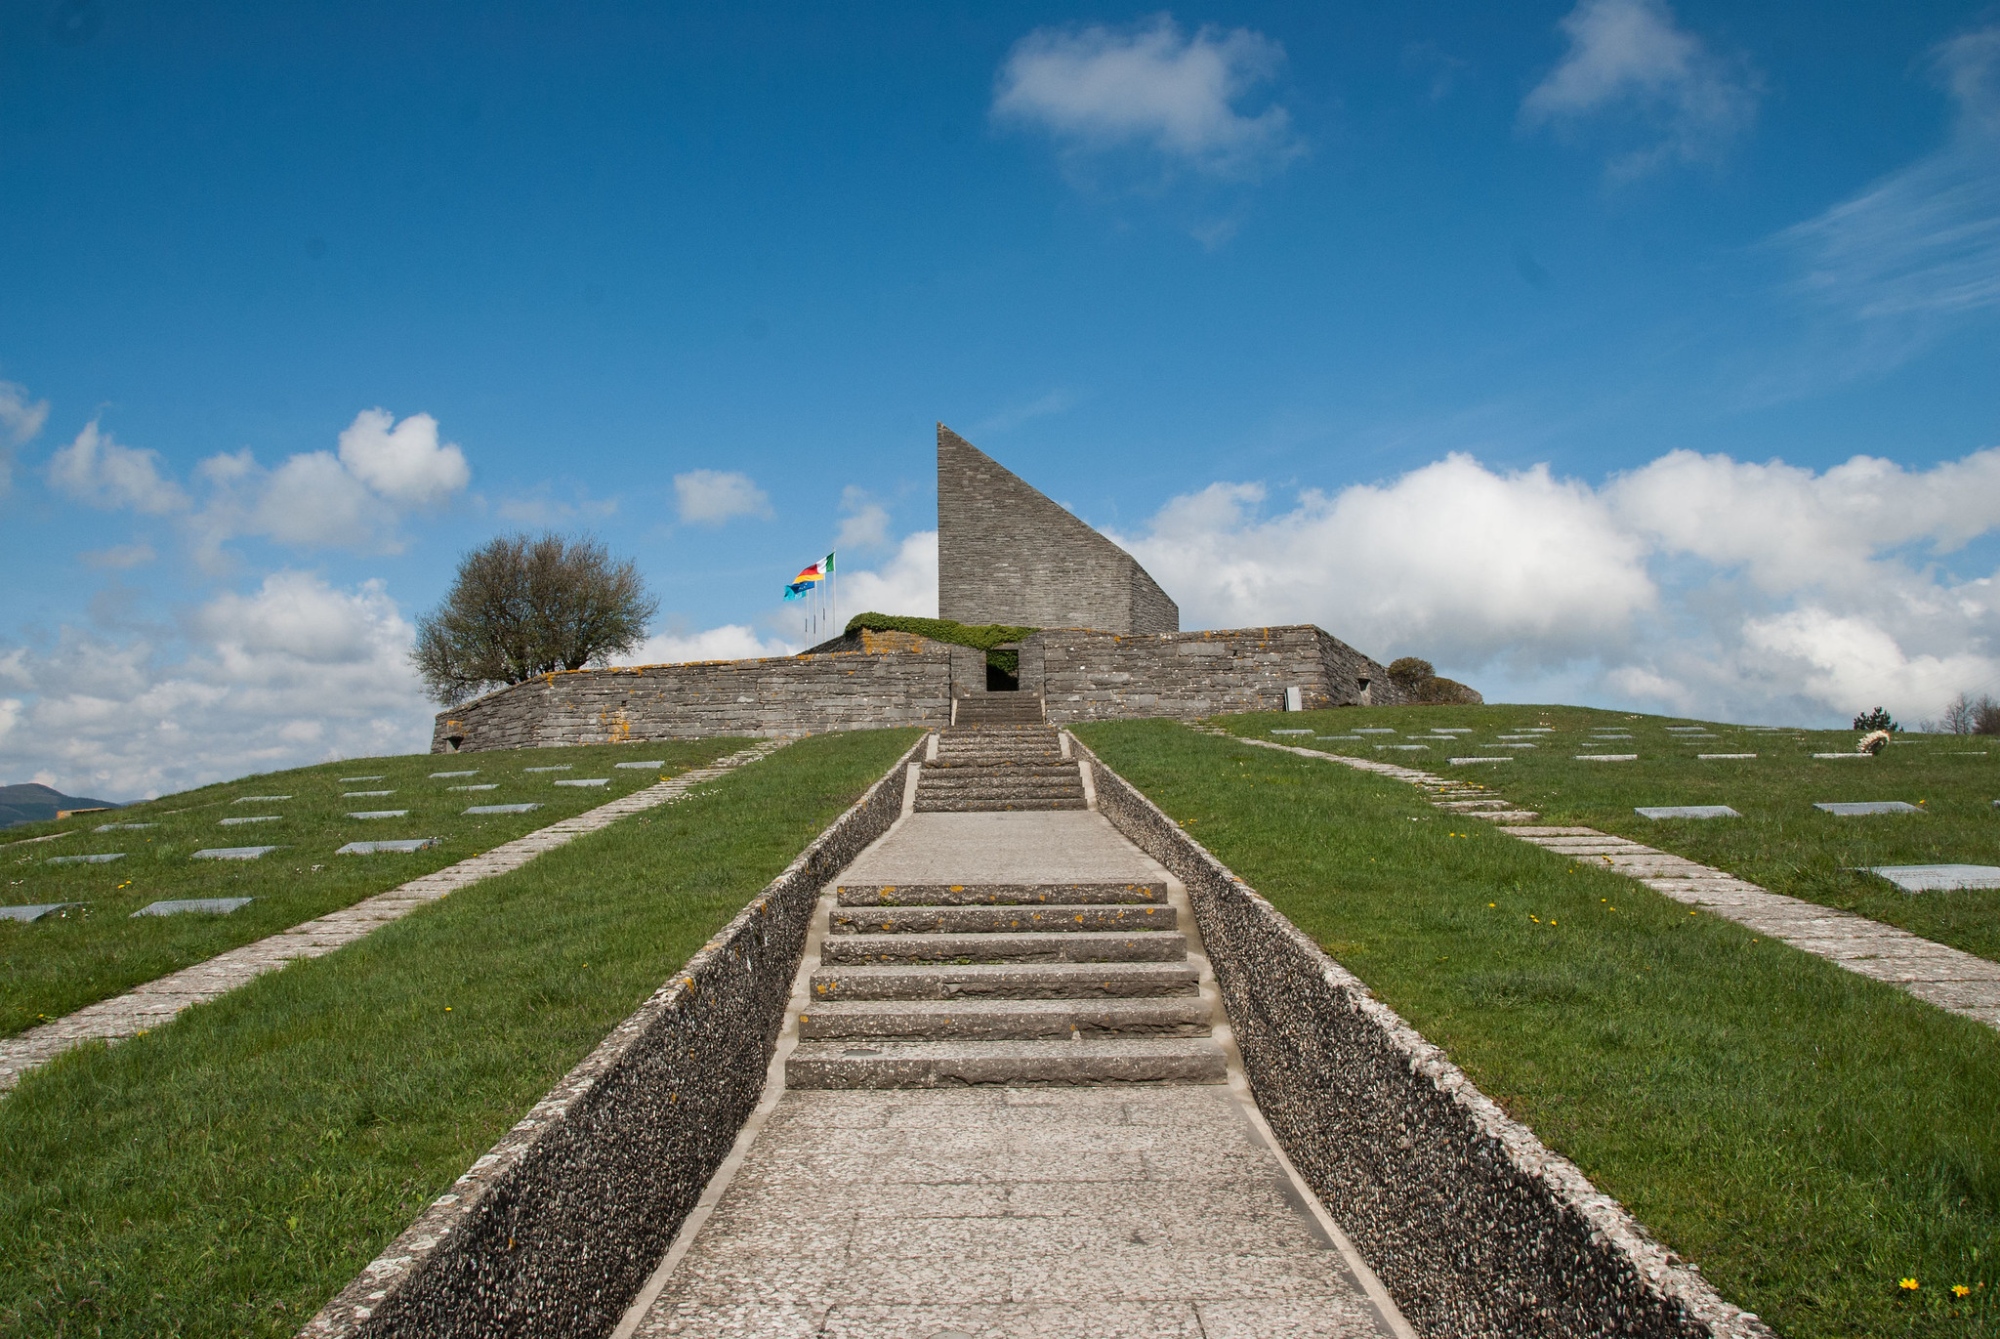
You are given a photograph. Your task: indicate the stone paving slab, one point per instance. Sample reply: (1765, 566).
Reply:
(1052, 1212)
(154, 1003)
(1959, 982)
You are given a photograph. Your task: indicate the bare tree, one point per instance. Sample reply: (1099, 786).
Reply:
(521, 607)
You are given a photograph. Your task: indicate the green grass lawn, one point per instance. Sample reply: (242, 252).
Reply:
(97, 949)
(1781, 843)
(230, 1172)
(1809, 1137)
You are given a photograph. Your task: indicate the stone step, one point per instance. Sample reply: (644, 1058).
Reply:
(1087, 946)
(956, 806)
(1007, 981)
(1004, 1020)
(1008, 777)
(986, 894)
(945, 1064)
(998, 794)
(1054, 918)
(1037, 764)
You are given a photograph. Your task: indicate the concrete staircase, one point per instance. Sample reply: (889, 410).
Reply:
(922, 986)
(999, 755)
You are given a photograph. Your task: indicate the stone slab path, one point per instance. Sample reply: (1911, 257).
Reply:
(1031, 1206)
(155, 1003)
(1953, 980)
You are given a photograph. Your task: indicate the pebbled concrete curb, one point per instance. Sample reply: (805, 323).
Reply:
(555, 1229)
(1474, 1227)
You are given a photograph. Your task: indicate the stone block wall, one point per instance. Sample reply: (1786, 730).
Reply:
(1007, 554)
(892, 679)
(1086, 675)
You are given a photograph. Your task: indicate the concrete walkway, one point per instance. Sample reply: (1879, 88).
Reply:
(1953, 980)
(1034, 1206)
(156, 1003)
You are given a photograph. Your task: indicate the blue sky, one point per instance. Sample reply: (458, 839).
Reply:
(1542, 340)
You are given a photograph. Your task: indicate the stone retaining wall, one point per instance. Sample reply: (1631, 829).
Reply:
(552, 1233)
(1085, 675)
(892, 679)
(1474, 1227)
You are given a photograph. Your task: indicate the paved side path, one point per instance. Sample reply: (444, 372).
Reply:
(1951, 979)
(1029, 1207)
(155, 1003)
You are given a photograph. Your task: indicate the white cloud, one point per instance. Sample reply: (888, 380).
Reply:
(1921, 247)
(312, 499)
(290, 673)
(864, 523)
(1698, 583)
(1097, 88)
(730, 642)
(20, 419)
(1630, 56)
(119, 557)
(710, 497)
(96, 471)
(403, 462)
(20, 422)
(908, 585)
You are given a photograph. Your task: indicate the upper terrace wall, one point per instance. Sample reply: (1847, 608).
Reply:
(893, 679)
(1085, 675)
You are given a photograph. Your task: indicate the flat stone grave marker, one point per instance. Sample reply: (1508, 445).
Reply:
(662, 762)
(1607, 757)
(1275, 732)
(1460, 762)
(1939, 878)
(563, 767)
(470, 771)
(215, 906)
(1843, 755)
(1865, 807)
(1451, 729)
(1722, 757)
(1660, 811)
(33, 913)
(233, 853)
(1685, 729)
(1373, 730)
(363, 794)
(1510, 745)
(249, 818)
(402, 845)
(123, 827)
(344, 780)
(1534, 730)
(258, 799)
(381, 813)
(103, 858)
(1406, 748)
(1345, 739)
(490, 785)
(502, 808)
(582, 780)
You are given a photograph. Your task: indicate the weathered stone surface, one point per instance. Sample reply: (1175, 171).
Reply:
(1085, 675)
(1866, 808)
(1687, 811)
(1009, 555)
(214, 906)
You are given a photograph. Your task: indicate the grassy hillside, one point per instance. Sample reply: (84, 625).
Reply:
(1781, 843)
(1809, 1137)
(229, 1173)
(96, 949)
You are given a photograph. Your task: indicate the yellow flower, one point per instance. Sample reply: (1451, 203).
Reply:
(1907, 1285)
(1960, 1290)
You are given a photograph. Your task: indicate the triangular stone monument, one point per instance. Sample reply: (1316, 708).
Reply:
(1007, 554)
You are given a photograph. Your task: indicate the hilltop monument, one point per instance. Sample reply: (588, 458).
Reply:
(1008, 554)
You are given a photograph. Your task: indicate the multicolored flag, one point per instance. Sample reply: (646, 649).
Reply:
(798, 590)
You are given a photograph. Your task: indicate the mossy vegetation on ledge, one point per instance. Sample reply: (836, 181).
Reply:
(981, 636)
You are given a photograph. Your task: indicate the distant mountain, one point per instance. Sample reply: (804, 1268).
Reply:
(31, 803)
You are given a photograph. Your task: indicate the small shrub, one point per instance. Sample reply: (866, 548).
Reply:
(1410, 673)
